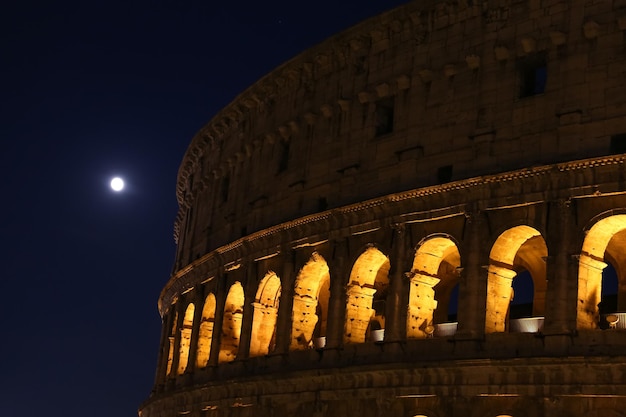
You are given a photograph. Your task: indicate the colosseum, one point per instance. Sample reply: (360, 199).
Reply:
(424, 215)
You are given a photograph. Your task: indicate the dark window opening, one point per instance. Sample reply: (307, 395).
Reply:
(224, 189)
(283, 162)
(322, 204)
(618, 143)
(444, 174)
(533, 74)
(453, 304)
(610, 284)
(384, 116)
(523, 295)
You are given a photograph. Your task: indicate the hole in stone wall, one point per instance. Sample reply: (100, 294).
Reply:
(205, 338)
(231, 324)
(224, 189)
(523, 290)
(602, 268)
(453, 305)
(185, 339)
(384, 114)
(618, 143)
(265, 315)
(444, 174)
(283, 156)
(310, 303)
(172, 338)
(521, 248)
(322, 204)
(533, 74)
(434, 279)
(366, 294)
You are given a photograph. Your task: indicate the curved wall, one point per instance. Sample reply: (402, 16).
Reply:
(358, 230)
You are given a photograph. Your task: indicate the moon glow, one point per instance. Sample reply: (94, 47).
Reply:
(117, 184)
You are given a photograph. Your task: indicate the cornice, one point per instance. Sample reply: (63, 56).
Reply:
(183, 279)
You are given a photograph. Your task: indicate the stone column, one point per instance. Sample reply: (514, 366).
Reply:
(249, 289)
(473, 279)
(177, 336)
(161, 375)
(283, 322)
(562, 270)
(195, 331)
(221, 291)
(395, 327)
(337, 301)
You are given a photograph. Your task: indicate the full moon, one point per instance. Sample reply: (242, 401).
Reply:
(117, 184)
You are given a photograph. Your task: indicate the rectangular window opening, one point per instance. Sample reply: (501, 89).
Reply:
(533, 73)
(444, 174)
(618, 143)
(283, 162)
(384, 116)
(224, 189)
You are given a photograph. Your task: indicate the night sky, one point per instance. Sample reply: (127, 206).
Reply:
(90, 90)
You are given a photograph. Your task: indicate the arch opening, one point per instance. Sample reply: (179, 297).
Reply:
(265, 315)
(434, 277)
(310, 303)
(231, 324)
(205, 338)
(185, 339)
(601, 274)
(365, 297)
(172, 341)
(519, 253)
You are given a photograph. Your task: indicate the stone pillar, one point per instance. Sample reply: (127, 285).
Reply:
(359, 313)
(397, 298)
(285, 308)
(263, 328)
(195, 331)
(562, 270)
(175, 344)
(166, 327)
(337, 301)
(421, 306)
(473, 279)
(220, 300)
(250, 288)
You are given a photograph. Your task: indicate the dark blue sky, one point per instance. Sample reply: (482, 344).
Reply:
(89, 90)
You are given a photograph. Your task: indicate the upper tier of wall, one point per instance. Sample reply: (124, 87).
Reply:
(427, 93)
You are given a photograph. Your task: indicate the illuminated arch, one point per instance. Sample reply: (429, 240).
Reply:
(521, 248)
(433, 277)
(206, 331)
(366, 293)
(604, 243)
(265, 315)
(172, 340)
(310, 303)
(185, 339)
(231, 324)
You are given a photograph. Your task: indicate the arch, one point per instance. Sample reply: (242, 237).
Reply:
(434, 275)
(231, 323)
(310, 303)
(520, 248)
(366, 293)
(205, 338)
(265, 314)
(185, 339)
(603, 244)
(172, 341)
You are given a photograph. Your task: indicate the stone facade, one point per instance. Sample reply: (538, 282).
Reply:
(357, 229)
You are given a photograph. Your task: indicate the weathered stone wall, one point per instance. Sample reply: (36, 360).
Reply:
(331, 214)
(304, 138)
